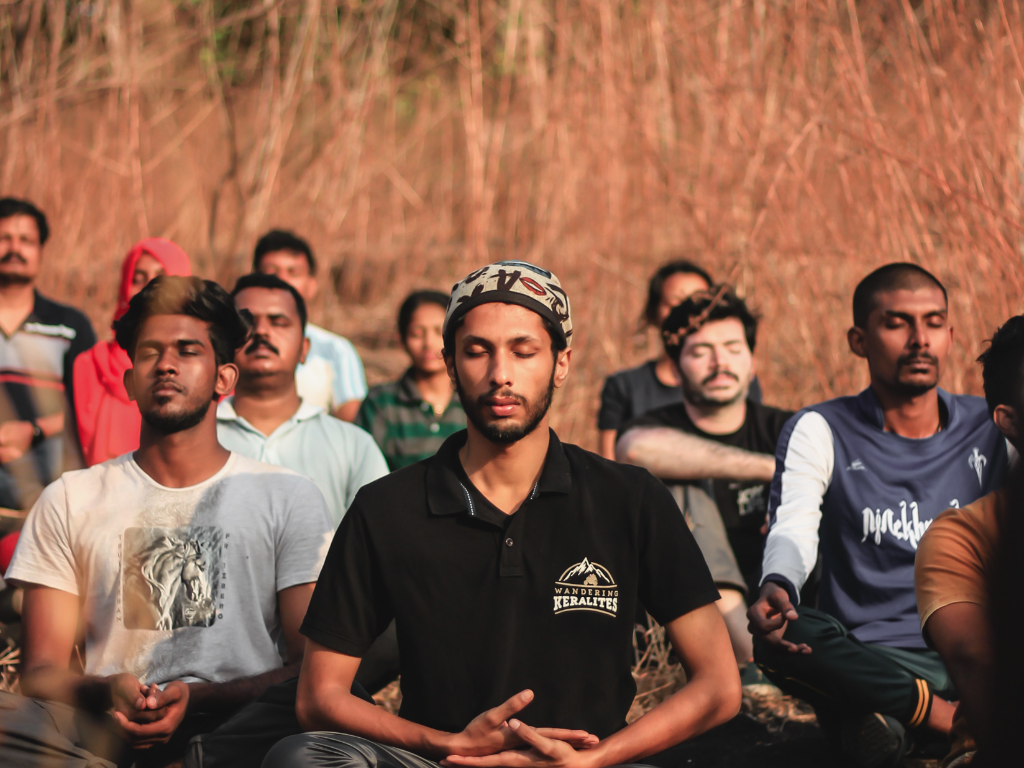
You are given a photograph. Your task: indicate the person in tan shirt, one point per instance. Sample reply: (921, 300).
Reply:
(956, 557)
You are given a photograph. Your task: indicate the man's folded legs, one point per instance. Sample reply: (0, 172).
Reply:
(845, 676)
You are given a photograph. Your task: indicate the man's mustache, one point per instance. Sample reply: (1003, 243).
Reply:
(258, 342)
(504, 394)
(11, 256)
(167, 381)
(715, 374)
(918, 357)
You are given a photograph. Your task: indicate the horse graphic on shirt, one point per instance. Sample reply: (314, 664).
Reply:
(167, 577)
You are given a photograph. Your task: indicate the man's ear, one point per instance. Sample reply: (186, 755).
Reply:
(227, 378)
(857, 339)
(1005, 418)
(129, 384)
(449, 363)
(314, 286)
(305, 349)
(562, 366)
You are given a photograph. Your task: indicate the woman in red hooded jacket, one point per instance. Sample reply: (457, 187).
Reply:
(108, 423)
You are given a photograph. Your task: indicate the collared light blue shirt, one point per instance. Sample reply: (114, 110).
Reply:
(338, 457)
(333, 373)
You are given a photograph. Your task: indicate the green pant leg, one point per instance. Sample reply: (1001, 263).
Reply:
(842, 674)
(923, 664)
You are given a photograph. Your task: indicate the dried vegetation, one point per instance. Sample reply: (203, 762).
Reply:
(790, 145)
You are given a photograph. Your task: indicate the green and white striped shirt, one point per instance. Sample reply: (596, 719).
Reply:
(404, 425)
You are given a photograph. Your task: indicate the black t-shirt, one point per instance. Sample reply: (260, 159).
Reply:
(487, 604)
(743, 505)
(633, 392)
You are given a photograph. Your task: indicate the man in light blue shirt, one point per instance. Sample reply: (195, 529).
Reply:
(267, 420)
(331, 374)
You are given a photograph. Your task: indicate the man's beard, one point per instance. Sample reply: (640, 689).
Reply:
(496, 431)
(177, 422)
(913, 388)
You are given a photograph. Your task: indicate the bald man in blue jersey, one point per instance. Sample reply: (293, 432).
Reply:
(858, 481)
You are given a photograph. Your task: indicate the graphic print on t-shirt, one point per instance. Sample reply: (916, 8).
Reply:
(587, 586)
(170, 577)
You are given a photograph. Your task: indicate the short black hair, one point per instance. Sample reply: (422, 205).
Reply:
(263, 280)
(717, 303)
(192, 296)
(1002, 366)
(657, 284)
(414, 301)
(282, 240)
(12, 206)
(891, 277)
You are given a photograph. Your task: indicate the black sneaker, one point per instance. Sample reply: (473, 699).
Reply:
(873, 741)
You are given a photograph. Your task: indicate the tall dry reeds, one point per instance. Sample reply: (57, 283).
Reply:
(791, 146)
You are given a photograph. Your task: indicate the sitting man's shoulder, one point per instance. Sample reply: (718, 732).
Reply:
(321, 339)
(974, 527)
(396, 492)
(597, 471)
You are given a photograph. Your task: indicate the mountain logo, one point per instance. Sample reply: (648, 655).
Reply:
(856, 466)
(587, 586)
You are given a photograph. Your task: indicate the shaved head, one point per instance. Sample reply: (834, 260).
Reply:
(891, 277)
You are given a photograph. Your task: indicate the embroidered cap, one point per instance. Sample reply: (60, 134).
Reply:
(512, 282)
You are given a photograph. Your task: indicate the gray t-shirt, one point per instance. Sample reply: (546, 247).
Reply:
(176, 583)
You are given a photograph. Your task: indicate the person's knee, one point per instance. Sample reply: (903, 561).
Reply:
(317, 750)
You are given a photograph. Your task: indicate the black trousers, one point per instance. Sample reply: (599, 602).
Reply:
(843, 676)
(326, 749)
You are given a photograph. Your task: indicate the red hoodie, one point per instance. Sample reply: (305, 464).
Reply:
(109, 423)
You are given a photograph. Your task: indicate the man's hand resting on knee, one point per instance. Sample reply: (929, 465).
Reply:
(491, 732)
(770, 616)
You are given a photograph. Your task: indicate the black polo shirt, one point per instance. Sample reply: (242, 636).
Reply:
(487, 604)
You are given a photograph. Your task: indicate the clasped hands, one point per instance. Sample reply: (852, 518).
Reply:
(495, 739)
(147, 715)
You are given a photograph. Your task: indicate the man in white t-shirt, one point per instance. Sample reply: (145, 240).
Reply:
(188, 567)
(332, 375)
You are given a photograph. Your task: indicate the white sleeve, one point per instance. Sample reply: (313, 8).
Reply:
(349, 376)
(803, 473)
(44, 555)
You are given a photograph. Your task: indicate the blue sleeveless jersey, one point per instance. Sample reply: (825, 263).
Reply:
(885, 490)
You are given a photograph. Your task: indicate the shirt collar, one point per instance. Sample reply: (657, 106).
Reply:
(407, 391)
(226, 412)
(872, 409)
(448, 495)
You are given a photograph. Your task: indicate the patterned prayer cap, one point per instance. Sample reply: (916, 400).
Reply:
(512, 282)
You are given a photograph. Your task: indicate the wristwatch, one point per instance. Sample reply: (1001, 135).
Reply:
(37, 434)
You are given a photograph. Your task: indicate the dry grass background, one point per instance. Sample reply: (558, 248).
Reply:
(789, 145)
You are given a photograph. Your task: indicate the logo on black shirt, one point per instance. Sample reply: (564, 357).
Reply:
(587, 586)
